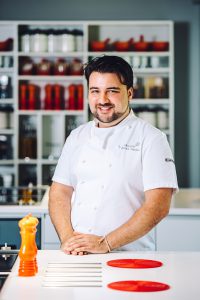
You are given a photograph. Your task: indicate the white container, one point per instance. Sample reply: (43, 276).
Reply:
(52, 43)
(144, 62)
(162, 119)
(3, 120)
(25, 43)
(66, 42)
(79, 43)
(149, 116)
(136, 62)
(155, 62)
(38, 42)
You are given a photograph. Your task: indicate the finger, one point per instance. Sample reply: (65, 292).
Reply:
(74, 252)
(85, 250)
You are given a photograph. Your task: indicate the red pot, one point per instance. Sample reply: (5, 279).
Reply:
(160, 46)
(99, 45)
(124, 45)
(142, 45)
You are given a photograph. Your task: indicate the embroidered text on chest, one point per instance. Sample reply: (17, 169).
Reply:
(134, 147)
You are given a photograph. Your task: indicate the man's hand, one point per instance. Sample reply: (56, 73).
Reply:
(80, 244)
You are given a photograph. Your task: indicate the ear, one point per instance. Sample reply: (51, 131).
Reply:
(130, 93)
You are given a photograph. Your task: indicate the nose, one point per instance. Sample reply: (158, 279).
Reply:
(104, 98)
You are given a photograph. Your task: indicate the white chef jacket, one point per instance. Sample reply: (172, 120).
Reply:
(110, 169)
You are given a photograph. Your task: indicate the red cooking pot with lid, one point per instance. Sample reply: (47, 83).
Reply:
(124, 45)
(99, 45)
(160, 46)
(142, 45)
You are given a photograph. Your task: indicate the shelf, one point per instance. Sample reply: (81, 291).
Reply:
(6, 70)
(6, 101)
(27, 161)
(42, 123)
(51, 112)
(149, 101)
(130, 53)
(7, 162)
(51, 54)
(50, 78)
(152, 71)
(7, 131)
(6, 53)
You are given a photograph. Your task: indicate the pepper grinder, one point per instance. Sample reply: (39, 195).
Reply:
(28, 250)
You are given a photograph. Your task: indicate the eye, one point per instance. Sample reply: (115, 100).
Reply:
(94, 91)
(113, 91)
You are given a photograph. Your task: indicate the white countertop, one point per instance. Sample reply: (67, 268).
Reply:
(185, 202)
(180, 270)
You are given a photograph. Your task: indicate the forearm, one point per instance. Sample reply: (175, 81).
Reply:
(144, 219)
(60, 210)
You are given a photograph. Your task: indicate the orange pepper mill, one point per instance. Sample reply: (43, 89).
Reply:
(28, 249)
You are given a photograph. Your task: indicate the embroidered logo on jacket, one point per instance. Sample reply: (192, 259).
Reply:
(167, 159)
(134, 147)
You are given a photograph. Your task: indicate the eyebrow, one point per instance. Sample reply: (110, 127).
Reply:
(109, 88)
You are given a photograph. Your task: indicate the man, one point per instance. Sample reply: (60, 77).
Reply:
(116, 175)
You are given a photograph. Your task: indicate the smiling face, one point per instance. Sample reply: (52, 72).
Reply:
(108, 98)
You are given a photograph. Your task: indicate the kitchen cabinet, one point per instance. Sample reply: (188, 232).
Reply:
(48, 92)
(178, 233)
(10, 231)
(51, 240)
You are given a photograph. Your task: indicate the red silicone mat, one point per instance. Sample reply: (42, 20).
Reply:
(138, 286)
(134, 263)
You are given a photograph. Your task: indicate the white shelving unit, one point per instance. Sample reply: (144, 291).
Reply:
(41, 131)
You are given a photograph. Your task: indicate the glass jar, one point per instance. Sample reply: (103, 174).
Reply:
(38, 41)
(66, 41)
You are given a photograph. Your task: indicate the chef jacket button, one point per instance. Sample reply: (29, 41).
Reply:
(90, 230)
(95, 208)
(102, 186)
(129, 127)
(83, 161)
(79, 203)
(110, 165)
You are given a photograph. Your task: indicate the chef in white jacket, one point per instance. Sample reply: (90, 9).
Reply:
(116, 175)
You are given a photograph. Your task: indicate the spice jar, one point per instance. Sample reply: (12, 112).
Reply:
(76, 67)
(27, 67)
(61, 67)
(44, 68)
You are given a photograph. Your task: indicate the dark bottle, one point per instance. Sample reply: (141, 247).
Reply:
(28, 140)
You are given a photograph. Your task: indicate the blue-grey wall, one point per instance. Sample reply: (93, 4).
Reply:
(186, 16)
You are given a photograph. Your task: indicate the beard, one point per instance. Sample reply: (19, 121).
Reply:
(108, 119)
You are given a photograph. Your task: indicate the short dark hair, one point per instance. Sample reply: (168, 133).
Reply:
(110, 64)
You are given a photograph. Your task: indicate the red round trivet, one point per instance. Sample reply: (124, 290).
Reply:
(138, 286)
(134, 263)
